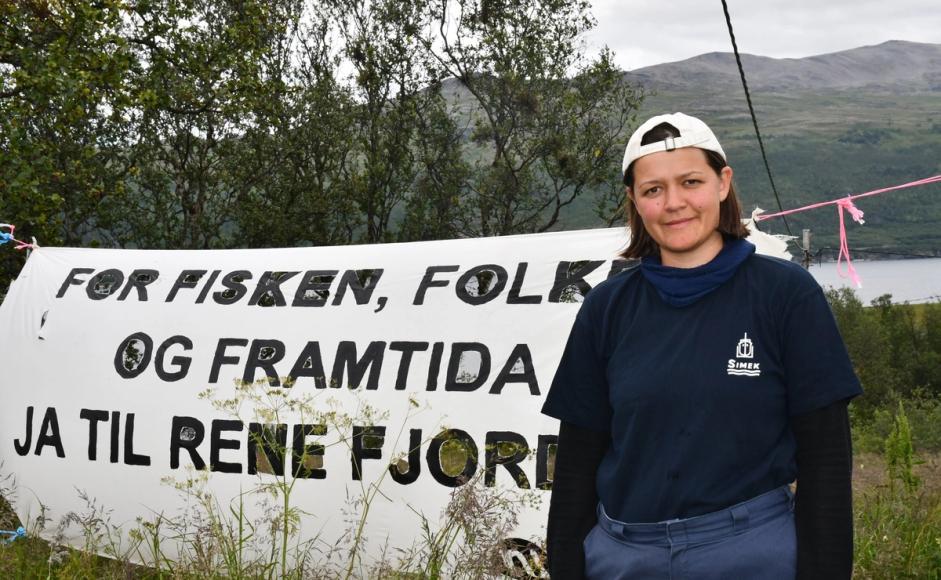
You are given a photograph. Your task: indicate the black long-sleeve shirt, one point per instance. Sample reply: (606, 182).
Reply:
(823, 504)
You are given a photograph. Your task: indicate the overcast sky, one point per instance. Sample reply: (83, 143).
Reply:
(648, 32)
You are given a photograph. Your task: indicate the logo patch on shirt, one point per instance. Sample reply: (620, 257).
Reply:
(742, 365)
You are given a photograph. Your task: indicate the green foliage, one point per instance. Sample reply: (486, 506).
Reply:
(862, 136)
(439, 208)
(233, 142)
(900, 453)
(206, 124)
(894, 348)
(403, 139)
(898, 526)
(63, 101)
(545, 122)
(924, 419)
(869, 348)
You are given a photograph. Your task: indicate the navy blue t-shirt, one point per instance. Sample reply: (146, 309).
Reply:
(697, 399)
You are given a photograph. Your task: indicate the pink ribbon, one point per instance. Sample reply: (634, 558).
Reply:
(857, 215)
(847, 204)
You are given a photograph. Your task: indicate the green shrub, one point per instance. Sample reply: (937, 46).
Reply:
(924, 418)
(900, 453)
(898, 527)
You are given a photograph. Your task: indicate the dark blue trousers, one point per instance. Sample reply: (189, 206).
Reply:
(753, 539)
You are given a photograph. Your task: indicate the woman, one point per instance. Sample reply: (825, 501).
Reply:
(694, 389)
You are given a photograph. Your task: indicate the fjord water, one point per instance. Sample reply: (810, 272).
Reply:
(914, 281)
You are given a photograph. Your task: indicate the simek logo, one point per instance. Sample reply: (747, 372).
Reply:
(745, 349)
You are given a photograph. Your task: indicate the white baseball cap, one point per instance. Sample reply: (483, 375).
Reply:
(693, 133)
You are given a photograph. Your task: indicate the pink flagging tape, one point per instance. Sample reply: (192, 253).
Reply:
(846, 203)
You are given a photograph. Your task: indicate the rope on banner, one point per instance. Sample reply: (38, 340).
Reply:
(8, 237)
(857, 215)
(19, 533)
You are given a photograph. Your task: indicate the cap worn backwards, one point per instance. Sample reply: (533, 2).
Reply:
(693, 133)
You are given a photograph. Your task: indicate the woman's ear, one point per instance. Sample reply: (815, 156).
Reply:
(725, 182)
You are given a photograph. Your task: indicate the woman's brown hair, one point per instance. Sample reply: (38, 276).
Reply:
(730, 212)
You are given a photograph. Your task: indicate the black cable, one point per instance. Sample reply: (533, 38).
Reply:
(751, 109)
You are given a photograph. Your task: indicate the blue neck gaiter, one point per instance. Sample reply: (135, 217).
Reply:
(683, 286)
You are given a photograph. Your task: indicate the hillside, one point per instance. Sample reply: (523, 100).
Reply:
(832, 124)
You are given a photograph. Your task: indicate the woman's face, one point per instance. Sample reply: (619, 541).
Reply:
(677, 195)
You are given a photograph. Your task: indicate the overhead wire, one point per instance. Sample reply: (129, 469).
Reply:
(751, 109)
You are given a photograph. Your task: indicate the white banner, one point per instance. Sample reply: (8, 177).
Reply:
(388, 375)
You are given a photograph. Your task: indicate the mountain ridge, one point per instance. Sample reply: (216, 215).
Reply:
(890, 66)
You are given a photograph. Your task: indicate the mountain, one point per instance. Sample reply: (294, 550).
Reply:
(832, 125)
(892, 67)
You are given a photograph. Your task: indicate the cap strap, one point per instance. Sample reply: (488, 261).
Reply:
(689, 139)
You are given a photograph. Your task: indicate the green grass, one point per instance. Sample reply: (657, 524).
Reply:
(898, 532)
(898, 535)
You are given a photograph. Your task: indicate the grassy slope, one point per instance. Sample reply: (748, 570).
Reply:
(823, 146)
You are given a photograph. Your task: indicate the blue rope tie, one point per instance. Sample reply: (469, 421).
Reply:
(19, 533)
